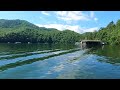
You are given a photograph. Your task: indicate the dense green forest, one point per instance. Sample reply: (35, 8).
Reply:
(109, 34)
(23, 31)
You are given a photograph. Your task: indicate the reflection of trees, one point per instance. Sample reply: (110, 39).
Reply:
(14, 48)
(111, 54)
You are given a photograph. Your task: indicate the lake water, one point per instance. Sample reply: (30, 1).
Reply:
(43, 61)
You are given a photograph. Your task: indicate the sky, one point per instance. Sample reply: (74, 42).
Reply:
(78, 21)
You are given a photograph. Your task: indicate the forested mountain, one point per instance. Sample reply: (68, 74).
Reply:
(16, 24)
(22, 31)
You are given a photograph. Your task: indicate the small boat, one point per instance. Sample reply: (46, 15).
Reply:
(17, 42)
(28, 42)
(104, 43)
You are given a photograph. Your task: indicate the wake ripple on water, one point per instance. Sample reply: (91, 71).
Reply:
(31, 57)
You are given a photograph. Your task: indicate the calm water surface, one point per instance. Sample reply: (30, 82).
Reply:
(43, 61)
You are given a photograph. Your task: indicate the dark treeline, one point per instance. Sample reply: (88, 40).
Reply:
(22, 31)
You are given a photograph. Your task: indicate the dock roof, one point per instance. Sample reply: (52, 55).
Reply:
(91, 41)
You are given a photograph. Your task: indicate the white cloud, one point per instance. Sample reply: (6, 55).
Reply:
(75, 16)
(75, 28)
(42, 18)
(45, 13)
(71, 15)
(95, 19)
(91, 14)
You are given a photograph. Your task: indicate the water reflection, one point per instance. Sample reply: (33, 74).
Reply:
(22, 48)
(110, 54)
(20, 63)
(59, 61)
(90, 46)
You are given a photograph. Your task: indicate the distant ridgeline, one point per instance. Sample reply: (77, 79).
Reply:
(21, 31)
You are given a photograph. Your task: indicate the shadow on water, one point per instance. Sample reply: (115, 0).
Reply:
(18, 63)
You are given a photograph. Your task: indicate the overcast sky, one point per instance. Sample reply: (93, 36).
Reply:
(78, 21)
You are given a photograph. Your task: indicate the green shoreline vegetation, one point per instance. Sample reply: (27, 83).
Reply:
(22, 31)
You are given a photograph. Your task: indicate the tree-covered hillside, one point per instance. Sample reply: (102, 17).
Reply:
(22, 31)
(109, 34)
(16, 24)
